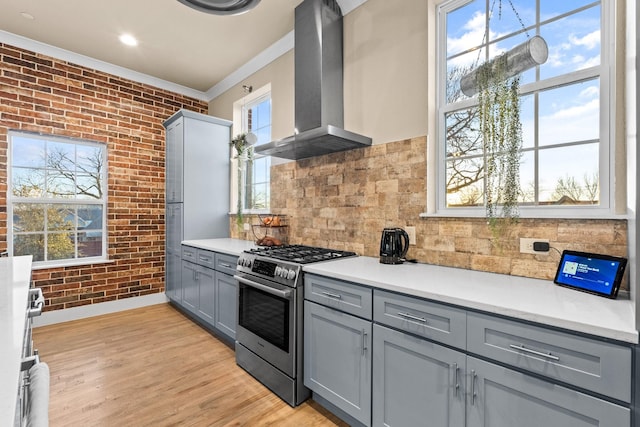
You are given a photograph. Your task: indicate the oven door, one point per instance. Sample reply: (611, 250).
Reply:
(266, 321)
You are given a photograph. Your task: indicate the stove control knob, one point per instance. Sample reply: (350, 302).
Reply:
(240, 261)
(278, 272)
(291, 274)
(247, 263)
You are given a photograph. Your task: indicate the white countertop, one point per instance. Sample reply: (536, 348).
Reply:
(225, 246)
(524, 298)
(15, 279)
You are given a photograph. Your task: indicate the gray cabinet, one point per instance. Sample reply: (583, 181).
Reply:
(189, 286)
(337, 359)
(206, 281)
(226, 305)
(500, 396)
(197, 186)
(416, 382)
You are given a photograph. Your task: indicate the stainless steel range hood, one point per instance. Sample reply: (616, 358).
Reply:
(319, 111)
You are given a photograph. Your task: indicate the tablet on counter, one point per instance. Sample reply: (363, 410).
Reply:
(593, 273)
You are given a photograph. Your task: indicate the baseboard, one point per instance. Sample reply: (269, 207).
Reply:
(82, 312)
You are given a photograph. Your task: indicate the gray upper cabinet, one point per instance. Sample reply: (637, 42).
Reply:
(197, 185)
(501, 397)
(416, 382)
(337, 359)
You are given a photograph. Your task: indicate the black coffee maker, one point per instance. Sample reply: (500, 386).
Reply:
(394, 245)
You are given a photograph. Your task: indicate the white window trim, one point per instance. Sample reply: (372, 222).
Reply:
(11, 200)
(435, 138)
(238, 127)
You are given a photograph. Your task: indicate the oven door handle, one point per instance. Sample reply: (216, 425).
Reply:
(277, 292)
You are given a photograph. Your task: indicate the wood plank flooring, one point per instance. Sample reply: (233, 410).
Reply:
(154, 367)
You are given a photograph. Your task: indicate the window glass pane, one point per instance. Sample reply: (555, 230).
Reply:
(28, 217)
(61, 156)
(60, 246)
(264, 114)
(463, 137)
(527, 178)
(90, 160)
(465, 182)
(552, 8)
(27, 182)
(465, 27)
(90, 217)
(527, 118)
(509, 17)
(60, 185)
(569, 175)
(27, 152)
(574, 43)
(88, 187)
(89, 244)
(29, 244)
(570, 113)
(61, 217)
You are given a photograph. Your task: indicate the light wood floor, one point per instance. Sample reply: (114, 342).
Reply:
(154, 367)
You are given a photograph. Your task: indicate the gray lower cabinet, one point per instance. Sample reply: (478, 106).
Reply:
(205, 278)
(502, 397)
(337, 359)
(226, 304)
(416, 382)
(189, 286)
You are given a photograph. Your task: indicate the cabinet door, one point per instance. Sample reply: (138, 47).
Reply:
(189, 286)
(416, 382)
(499, 397)
(337, 359)
(226, 302)
(173, 277)
(174, 161)
(205, 279)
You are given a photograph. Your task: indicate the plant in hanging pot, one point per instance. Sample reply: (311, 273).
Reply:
(501, 131)
(243, 145)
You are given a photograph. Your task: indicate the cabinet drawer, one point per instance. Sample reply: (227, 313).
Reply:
(226, 263)
(594, 365)
(420, 317)
(205, 258)
(189, 254)
(344, 296)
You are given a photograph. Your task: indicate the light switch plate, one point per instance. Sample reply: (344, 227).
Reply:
(411, 231)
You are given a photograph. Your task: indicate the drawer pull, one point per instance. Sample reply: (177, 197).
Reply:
(204, 258)
(456, 371)
(225, 265)
(331, 295)
(364, 341)
(473, 387)
(534, 352)
(412, 317)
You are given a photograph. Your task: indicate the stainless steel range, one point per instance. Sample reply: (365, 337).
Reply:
(270, 300)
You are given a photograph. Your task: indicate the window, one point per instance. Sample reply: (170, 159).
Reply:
(255, 110)
(57, 199)
(565, 107)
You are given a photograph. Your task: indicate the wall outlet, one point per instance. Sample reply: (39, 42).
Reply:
(246, 226)
(411, 231)
(526, 245)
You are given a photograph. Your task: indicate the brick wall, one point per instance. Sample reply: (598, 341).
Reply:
(344, 200)
(42, 94)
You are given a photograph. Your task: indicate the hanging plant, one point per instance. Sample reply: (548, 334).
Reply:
(244, 152)
(501, 129)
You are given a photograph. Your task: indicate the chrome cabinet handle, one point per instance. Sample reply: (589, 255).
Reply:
(456, 370)
(36, 304)
(473, 387)
(285, 294)
(364, 341)
(225, 265)
(332, 295)
(534, 352)
(412, 317)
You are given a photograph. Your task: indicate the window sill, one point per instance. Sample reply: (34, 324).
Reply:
(532, 215)
(75, 263)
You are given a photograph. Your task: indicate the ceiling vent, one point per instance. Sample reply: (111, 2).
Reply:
(221, 7)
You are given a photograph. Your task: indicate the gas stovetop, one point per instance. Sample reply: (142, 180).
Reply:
(283, 264)
(300, 254)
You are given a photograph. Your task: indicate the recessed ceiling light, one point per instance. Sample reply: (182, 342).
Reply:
(128, 39)
(27, 15)
(221, 7)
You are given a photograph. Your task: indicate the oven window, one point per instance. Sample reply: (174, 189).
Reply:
(265, 315)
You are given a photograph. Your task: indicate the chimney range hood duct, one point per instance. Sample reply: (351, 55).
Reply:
(319, 111)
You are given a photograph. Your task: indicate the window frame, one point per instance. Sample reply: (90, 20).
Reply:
(240, 122)
(13, 200)
(437, 107)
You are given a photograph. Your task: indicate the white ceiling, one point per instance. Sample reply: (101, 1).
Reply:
(177, 44)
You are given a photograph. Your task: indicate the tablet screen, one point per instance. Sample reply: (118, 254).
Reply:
(599, 274)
